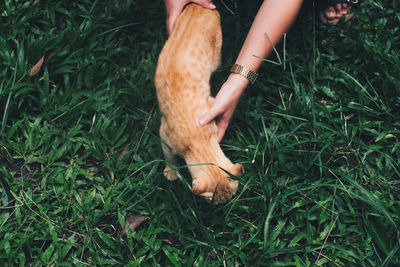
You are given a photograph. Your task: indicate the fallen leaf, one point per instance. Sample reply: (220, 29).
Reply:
(134, 221)
(42, 62)
(35, 69)
(172, 240)
(121, 157)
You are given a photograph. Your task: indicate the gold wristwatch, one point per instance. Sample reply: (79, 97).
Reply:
(249, 74)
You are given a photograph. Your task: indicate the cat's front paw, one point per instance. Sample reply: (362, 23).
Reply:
(170, 174)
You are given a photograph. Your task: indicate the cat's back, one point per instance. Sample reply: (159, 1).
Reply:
(193, 46)
(183, 72)
(195, 24)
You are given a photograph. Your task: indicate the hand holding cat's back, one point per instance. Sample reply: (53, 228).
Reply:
(186, 62)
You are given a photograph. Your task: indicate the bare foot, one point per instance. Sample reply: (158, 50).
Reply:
(333, 14)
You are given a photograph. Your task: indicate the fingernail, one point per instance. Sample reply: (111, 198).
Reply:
(202, 121)
(212, 6)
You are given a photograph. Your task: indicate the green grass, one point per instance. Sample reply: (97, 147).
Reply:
(318, 136)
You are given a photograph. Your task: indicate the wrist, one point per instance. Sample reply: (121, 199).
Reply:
(237, 82)
(249, 74)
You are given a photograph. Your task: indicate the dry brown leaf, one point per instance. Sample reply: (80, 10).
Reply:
(134, 221)
(42, 61)
(35, 69)
(120, 158)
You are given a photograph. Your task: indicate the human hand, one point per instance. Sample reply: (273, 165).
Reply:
(174, 8)
(224, 104)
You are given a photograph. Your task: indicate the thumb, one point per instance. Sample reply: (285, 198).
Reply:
(205, 4)
(209, 5)
(172, 19)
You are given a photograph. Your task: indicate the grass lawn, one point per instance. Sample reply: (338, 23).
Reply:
(318, 136)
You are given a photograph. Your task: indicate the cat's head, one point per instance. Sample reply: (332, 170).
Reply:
(219, 189)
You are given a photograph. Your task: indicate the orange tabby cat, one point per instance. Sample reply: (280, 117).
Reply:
(186, 62)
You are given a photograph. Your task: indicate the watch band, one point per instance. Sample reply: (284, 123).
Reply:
(249, 74)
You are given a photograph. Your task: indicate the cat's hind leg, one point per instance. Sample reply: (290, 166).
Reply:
(170, 171)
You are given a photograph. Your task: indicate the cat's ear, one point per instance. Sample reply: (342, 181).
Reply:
(199, 186)
(237, 170)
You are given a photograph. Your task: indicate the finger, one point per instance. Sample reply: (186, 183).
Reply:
(171, 20)
(205, 4)
(208, 117)
(221, 131)
(169, 27)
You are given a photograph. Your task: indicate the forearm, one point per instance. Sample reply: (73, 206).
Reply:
(273, 19)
